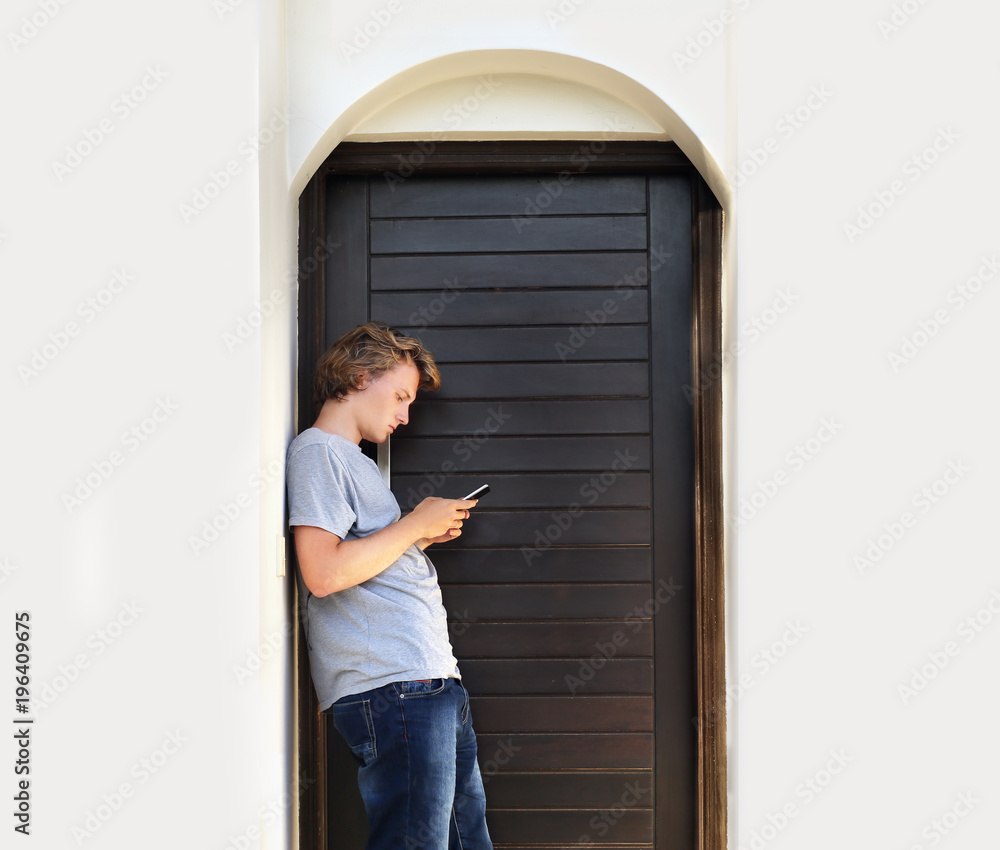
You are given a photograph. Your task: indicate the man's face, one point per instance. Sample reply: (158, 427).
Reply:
(384, 403)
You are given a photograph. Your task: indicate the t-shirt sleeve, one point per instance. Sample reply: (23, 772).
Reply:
(320, 492)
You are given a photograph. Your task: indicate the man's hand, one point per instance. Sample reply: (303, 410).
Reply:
(453, 532)
(441, 519)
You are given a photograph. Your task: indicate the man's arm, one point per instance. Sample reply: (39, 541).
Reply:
(329, 564)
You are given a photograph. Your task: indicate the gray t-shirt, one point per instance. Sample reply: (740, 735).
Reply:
(391, 628)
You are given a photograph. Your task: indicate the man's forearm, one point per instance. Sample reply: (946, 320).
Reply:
(330, 565)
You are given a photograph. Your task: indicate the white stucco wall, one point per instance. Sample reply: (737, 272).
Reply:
(858, 375)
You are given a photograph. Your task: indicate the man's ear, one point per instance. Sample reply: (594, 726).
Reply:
(362, 381)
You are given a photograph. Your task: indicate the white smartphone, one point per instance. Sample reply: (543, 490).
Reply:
(479, 491)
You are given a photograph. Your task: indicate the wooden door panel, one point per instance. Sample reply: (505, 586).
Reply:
(589, 307)
(572, 638)
(567, 713)
(575, 790)
(459, 272)
(536, 344)
(556, 676)
(564, 342)
(562, 565)
(571, 233)
(537, 490)
(512, 417)
(528, 454)
(507, 196)
(630, 827)
(545, 602)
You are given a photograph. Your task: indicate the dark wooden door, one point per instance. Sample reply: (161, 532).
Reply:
(559, 308)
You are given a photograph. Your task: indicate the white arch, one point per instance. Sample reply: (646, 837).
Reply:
(535, 94)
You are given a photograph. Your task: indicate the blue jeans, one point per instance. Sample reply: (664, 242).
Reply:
(419, 777)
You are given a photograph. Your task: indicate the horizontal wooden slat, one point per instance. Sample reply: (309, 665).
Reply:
(572, 828)
(570, 790)
(570, 233)
(511, 345)
(454, 273)
(547, 601)
(558, 676)
(532, 454)
(555, 565)
(538, 530)
(563, 713)
(477, 420)
(617, 639)
(543, 380)
(566, 752)
(506, 196)
(599, 490)
(582, 307)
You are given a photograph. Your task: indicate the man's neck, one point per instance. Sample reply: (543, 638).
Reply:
(336, 417)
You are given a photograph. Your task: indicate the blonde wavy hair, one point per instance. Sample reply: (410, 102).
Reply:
(368, 351)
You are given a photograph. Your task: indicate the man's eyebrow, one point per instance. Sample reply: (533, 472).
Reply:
(405, 393)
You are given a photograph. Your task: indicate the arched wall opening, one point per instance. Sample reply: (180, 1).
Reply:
(528, 94)
(516, 96)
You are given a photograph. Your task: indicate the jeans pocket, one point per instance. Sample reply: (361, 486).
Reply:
(356, 726)
(420, 688)
(467, 707)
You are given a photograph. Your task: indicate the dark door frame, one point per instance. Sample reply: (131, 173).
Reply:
(398, 160)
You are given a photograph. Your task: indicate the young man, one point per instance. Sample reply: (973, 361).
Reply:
(377, 631)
